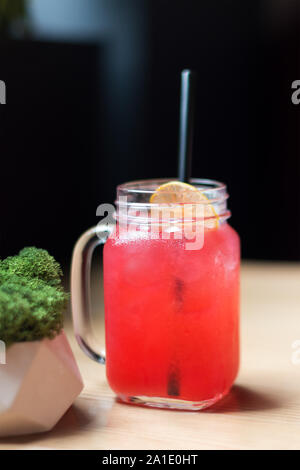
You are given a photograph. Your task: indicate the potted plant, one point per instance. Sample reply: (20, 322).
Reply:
(39, 378)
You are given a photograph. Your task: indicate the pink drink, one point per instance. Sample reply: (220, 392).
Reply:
(172, 317)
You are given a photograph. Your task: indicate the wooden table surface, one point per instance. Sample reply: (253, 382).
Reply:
(261, 412)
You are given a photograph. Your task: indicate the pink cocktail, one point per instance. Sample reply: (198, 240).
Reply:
(171, 305)
(172, 314)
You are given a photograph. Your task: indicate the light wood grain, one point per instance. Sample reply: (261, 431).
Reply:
(261, 412)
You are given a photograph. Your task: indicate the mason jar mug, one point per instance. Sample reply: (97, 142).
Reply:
(171, 296)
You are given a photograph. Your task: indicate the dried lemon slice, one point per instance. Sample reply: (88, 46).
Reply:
(186, 197)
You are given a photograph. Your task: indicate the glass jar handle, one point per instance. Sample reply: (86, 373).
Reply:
(81, 288)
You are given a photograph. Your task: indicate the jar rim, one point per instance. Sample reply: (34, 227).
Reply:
(140, 191)
(134, 198)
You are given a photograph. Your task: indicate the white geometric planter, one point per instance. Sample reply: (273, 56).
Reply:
(38, 383)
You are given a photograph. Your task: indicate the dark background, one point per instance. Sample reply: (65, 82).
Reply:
(92, 101)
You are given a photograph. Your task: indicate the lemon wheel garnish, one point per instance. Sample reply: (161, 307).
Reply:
(176, 192)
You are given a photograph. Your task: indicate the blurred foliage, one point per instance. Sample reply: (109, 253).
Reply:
(11, 11)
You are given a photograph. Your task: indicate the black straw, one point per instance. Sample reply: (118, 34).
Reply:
(186, 124)
(187, 102)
